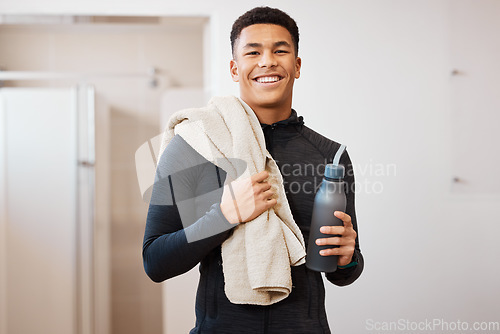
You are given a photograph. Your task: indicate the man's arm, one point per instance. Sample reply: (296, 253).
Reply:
(166, 250)
(177, 235)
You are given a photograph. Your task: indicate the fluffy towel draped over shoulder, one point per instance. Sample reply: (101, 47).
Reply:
(258, 254)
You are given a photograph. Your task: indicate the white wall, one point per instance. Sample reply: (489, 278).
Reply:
(379, 71)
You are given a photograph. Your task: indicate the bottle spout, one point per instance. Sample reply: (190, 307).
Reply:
(334, 170)
(336, 159)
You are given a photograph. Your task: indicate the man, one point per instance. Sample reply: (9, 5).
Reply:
(265, 64)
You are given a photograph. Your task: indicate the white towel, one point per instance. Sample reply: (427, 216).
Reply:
(258, 255)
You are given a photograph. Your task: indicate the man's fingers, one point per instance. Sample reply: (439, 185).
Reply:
(344, 217)
(267, 194)
(344, 240)
(263, 186)
(332, 229)
(270, 203)
(341, 251)
(259, 177)
(330, 241)
(336, 241)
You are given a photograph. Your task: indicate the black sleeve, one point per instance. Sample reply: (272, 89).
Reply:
(166, 250)
(342, 277)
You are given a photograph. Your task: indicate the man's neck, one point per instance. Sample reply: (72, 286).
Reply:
(271, 115)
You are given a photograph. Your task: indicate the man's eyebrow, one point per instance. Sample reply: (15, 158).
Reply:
(252, 45)
(259, 45)
(282, 43)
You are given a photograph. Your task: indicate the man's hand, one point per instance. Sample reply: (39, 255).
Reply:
(345, 239)
(245, 199)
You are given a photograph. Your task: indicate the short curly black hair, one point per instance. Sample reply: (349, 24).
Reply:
(265, 15)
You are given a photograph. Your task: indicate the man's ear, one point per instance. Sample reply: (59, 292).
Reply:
(298, 64)
(233, 69)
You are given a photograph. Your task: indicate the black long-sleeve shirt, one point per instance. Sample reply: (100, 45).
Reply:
(185, 227)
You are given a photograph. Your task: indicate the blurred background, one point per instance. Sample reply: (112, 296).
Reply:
(413, 87)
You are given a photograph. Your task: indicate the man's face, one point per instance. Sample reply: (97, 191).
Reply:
(265, 65)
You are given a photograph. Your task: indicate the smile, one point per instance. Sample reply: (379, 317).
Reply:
(269, 79)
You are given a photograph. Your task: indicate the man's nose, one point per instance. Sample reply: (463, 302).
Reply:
(267, 59)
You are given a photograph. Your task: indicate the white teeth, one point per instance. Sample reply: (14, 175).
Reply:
(268, 79)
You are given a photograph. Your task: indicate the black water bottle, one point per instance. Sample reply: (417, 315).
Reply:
(329, 198)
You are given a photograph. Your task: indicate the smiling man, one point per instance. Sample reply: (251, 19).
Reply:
(265, 64)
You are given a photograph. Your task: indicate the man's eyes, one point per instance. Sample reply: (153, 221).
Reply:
(255, 53)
